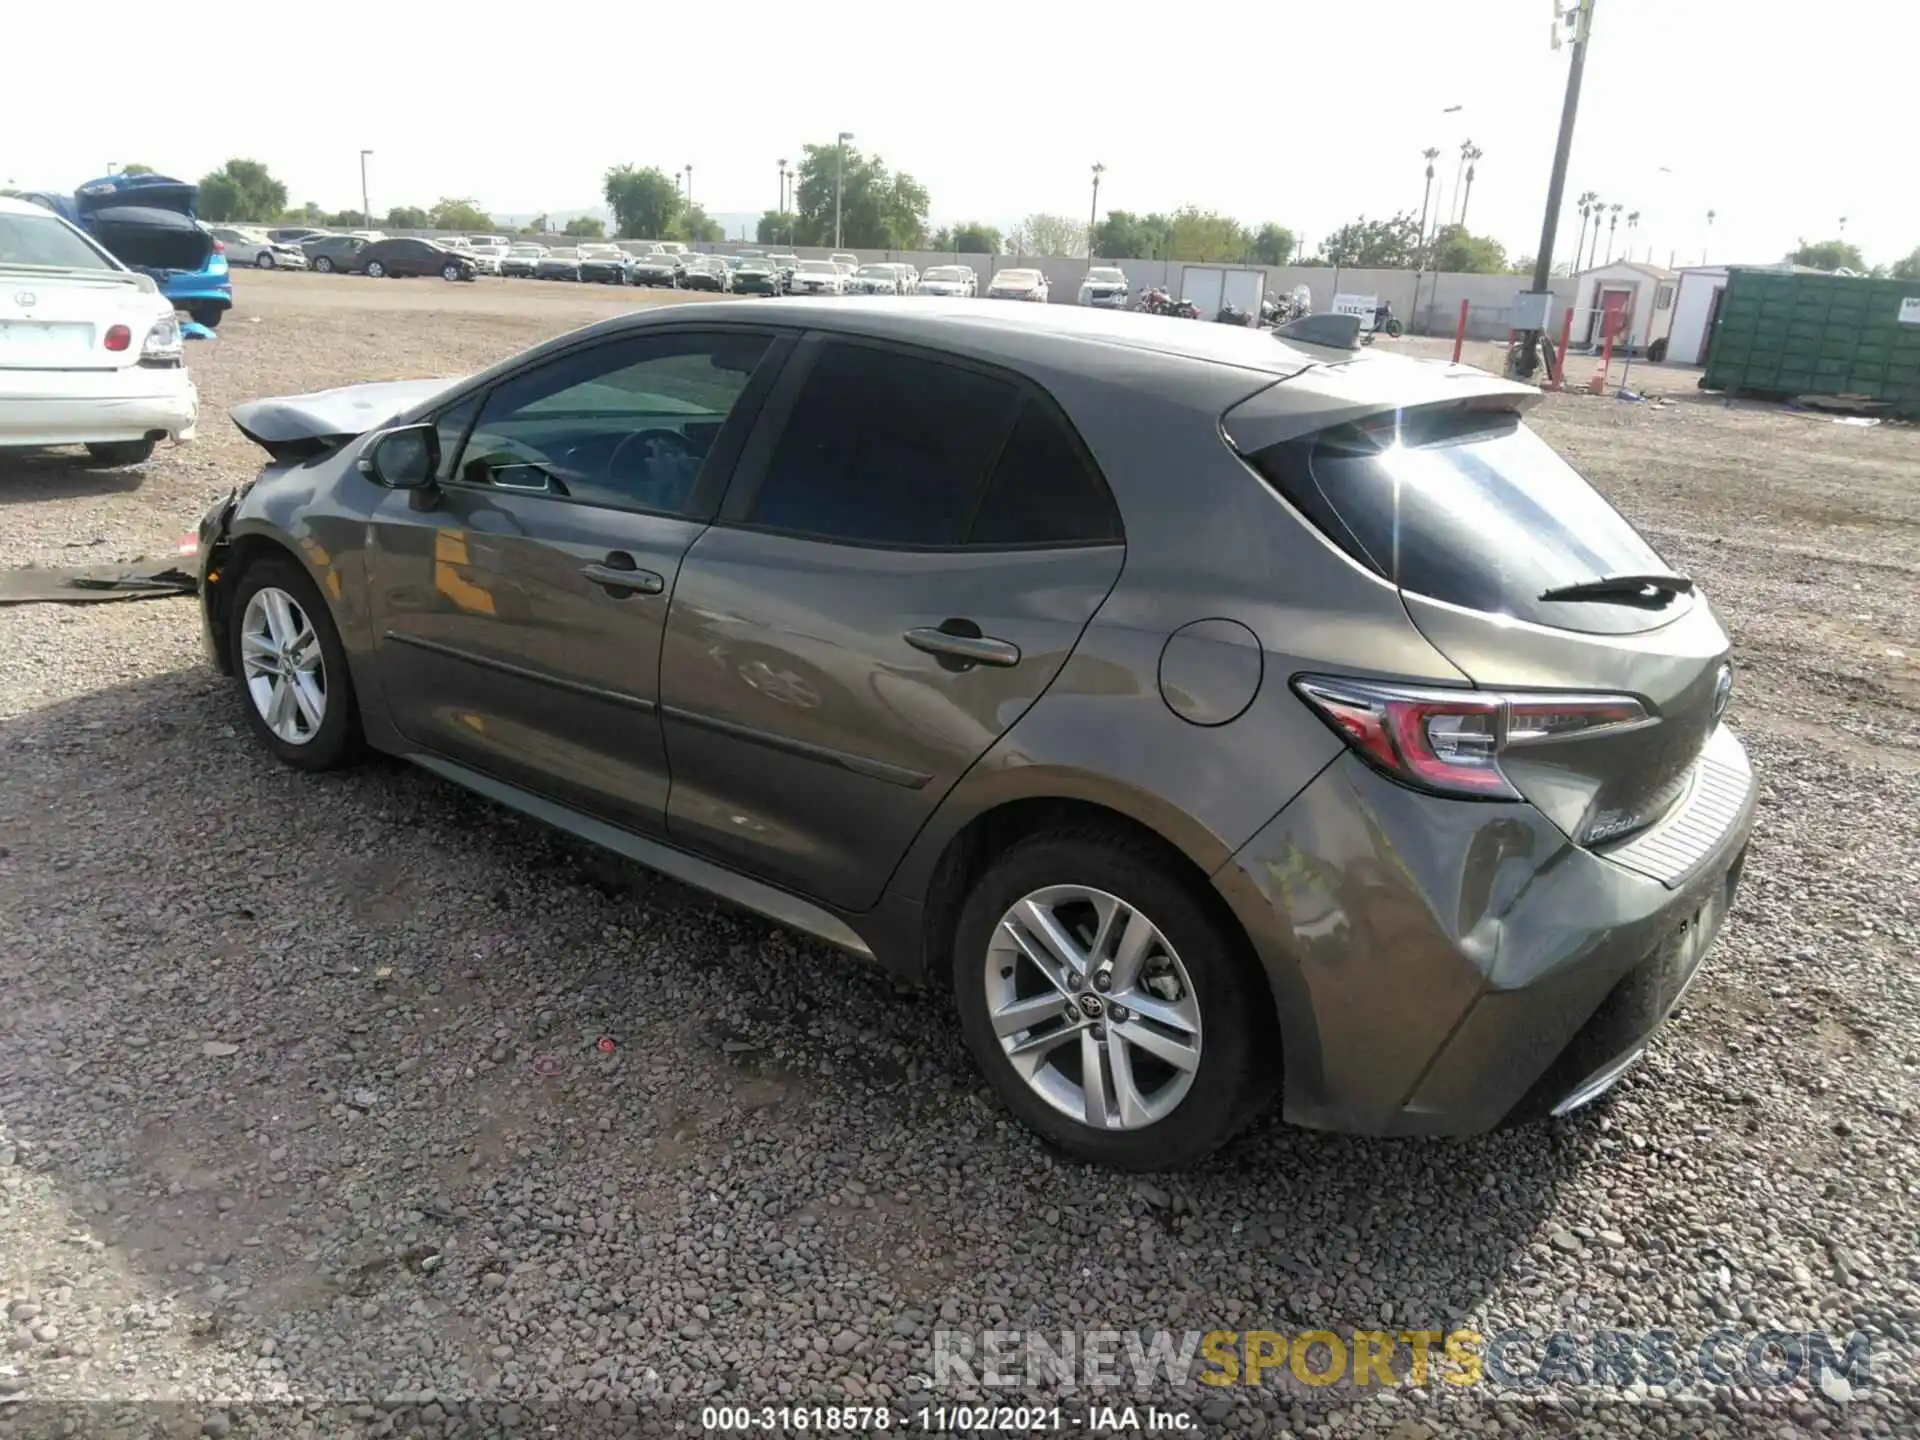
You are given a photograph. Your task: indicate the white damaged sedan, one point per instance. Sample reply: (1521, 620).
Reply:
(90, 353)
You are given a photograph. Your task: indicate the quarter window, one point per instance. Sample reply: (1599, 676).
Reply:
(627, 424)
(1044, 491)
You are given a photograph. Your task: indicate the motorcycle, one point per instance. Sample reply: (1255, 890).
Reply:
(1233, 315)
(1384, 323)
(1155, 300)
(1277, 310)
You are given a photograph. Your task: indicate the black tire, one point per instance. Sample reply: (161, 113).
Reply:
(207, 315)
(1238, 1065)
(263, 261)
(449, 271)
(1657, 352)
(337, 740)
(121, 452)
(375, 270)
(323, 265)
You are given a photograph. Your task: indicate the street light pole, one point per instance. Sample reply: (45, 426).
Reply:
(839, 179)
(1524, 362)
(689, 187)
(366, 210)
(781, 208)
(1093, 215)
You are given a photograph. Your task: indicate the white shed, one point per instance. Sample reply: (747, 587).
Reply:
(1631, 300)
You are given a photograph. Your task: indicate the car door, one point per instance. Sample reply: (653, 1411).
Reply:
(907, 557)
(519, 604)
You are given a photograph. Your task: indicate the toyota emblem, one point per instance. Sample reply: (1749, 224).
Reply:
(25, 299)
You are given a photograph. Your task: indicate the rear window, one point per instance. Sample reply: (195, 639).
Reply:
(1472, 508)
(46, 240)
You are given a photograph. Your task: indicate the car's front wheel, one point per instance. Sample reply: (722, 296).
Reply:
(449, 272)
(1114, 1011)
(375, 270)
(290, 665)
(323, 265)
(264, 260)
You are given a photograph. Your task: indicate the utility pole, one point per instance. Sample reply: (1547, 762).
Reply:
(366, 209)
(689, 187)
(781, 208)
(1093, 216)
(1527, 353)
(839, 179)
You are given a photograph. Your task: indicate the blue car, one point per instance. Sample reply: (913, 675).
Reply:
(147, 222)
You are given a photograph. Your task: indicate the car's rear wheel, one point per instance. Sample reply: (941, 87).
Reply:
(121, 452)
(375, 270)
(323, 265)
(264, 260)
(207, 315)
(1112, 1009)
(291, 667)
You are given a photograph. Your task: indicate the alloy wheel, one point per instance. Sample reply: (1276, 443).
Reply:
(285, 672)
(1093, 1007)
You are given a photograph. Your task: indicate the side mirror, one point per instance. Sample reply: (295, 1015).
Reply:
(404, 459)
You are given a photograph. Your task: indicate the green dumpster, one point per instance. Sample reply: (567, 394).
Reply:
(1781, 335)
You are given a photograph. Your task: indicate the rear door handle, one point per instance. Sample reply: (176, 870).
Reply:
(974, 649)
(627, 578)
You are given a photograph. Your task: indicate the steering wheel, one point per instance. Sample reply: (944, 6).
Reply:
(668, 455)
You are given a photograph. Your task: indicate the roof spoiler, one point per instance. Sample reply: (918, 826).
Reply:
(1334, 332)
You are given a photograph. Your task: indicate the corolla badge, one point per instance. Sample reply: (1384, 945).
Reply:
(1722, 691)
(25, 299)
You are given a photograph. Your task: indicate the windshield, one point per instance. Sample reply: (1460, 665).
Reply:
(1016, 277)
(563, 253)
(876, 272)
(1471, 508)
(1105, 276)
(945, 272)
(819, 267)
(45, 240)
(533, 250)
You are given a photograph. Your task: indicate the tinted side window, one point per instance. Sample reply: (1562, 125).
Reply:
(1045, 490)
(626, 424)
(885, 448)
(452, 426)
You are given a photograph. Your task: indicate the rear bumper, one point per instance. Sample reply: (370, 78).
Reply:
(1443, 967)
(97, 408)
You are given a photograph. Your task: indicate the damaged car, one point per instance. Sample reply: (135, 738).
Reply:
(1454, 813)
(148, 223)
(90, 351)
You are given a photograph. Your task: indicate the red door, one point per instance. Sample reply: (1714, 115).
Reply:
(1614, 313)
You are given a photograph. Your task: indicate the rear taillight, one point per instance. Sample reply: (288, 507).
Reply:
(219, 247)
(118, 338)
(1450, 742)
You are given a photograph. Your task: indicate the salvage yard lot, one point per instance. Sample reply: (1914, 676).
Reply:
(302, 1094)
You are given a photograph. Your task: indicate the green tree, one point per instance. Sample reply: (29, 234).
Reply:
(1828, 255)
(1458, 252)
(458, 214)
(969, 238)
(644, 202)
(694, 226)
(1044, 234)
(345, 220)
(536, 226)
(879, 210)
(1272, 245)
(1908, 268)
(136, 168)
(307, 214)
(1123, 235)
(240, 190)
(775, 226)
(1205, 235)
(586, 227)
(1374, 244)
(409, 217)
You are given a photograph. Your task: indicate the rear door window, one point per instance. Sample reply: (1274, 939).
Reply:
(1045, 489)
(885, 448)
(1472, 508)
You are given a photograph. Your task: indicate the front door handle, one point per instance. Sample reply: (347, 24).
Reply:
(619, 575)
(951, 642)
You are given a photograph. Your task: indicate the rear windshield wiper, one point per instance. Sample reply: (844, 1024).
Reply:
(1626, 589)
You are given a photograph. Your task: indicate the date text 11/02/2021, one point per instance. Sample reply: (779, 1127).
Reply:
(944, 1419)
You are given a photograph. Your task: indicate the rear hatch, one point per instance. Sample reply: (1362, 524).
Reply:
(161, 242)
(1485, 530)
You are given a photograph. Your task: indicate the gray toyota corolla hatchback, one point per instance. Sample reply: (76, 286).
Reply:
(1214, 712)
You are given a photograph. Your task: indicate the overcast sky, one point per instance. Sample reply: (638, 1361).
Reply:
(1781, 121)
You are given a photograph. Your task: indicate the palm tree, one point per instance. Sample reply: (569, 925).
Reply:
(1429, 155)
(1633, 223)
(1613, 219)
(1473, 154)
(1586, 202)
(1704, 248)
(1593, 247)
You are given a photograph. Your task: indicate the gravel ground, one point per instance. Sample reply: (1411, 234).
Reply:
(351, 1104)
